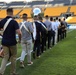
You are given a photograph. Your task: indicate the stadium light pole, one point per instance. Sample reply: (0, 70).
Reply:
(28, 1)
(71, 2)
(5, 2)
(25, 1)
(3, 5)
(48, 2)
(46, 5)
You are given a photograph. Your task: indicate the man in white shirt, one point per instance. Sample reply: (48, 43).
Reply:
(53, 30)
(57, 23)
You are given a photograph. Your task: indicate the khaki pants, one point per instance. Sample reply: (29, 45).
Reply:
(7, 51)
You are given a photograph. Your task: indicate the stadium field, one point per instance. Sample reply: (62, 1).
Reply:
(60, 60)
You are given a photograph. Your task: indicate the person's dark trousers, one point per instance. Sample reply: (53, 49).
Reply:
(58, 37)
(49, 39)
(53, 39)
(42, 44)
(45, 39)
(62, 35)
(65, 33)
(36, 48)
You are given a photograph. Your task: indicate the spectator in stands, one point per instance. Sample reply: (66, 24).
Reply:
(26, 40)
(9, 42)
(48, 25)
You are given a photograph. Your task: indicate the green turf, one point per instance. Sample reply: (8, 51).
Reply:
(60, 60)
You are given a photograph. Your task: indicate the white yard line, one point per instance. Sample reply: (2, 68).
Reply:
(17, 59)
(70, 30)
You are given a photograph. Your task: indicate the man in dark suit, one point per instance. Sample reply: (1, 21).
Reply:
(36, 48)
(43, 35)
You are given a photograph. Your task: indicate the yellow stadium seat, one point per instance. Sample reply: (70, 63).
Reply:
(3, 13)
(28, 11)
(73, 9)
(16, 11)
(55, 11)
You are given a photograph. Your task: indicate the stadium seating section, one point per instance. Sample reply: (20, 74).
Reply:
(51, 11)
(73, 9)
(55, 11)
(2, 13)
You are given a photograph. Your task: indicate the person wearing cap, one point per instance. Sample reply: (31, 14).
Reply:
(26, 40)
(9, 42)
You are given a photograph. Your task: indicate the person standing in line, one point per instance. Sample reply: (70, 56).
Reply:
(26, 40)
(57, 23)
(59, 31)
(48, 25)
(65, 30)
(36, 48)
(43, 35)
(9, 42)
(53, 30)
